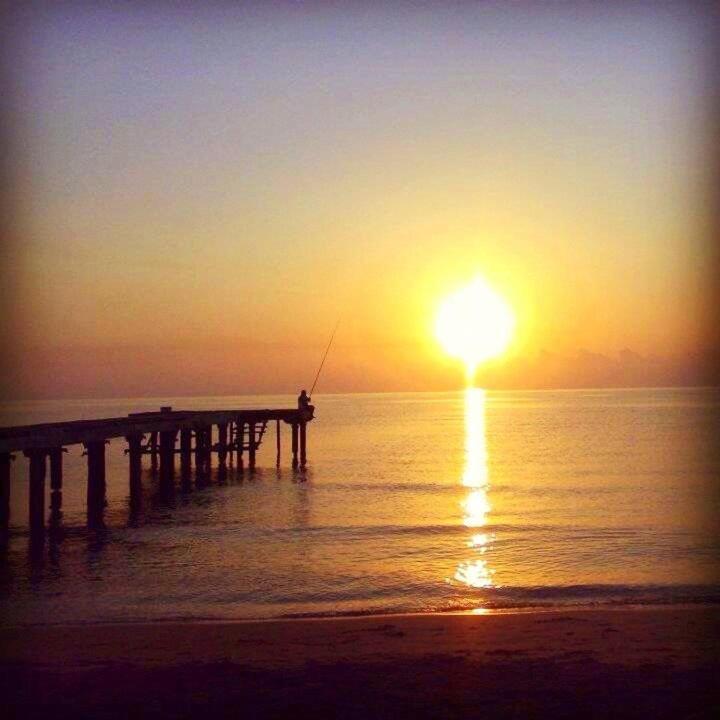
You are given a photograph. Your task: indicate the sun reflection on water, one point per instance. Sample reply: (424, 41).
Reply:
(475, 572)
(476, 472)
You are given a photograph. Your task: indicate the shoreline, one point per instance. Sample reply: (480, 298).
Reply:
(526, 610)
(647, 662)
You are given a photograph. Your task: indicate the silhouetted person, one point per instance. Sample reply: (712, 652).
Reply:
(304, 402)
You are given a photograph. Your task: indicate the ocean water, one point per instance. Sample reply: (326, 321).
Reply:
(411, 502)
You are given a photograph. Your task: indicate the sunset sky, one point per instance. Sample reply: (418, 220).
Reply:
(198, 194)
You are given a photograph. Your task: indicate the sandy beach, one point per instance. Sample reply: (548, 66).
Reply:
(657, 662)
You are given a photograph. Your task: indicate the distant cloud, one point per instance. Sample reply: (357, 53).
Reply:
(589, 369)
(154, 370)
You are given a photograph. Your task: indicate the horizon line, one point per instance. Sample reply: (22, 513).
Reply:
(8, 401)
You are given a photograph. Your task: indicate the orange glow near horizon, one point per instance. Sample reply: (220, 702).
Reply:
(252, 202)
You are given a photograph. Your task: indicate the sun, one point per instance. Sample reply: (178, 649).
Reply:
(474, 324)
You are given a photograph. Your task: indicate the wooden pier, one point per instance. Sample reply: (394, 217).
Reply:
(160, 435)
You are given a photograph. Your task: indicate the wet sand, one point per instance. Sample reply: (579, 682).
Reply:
(654, 663)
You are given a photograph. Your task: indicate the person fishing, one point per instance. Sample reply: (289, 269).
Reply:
(304, 402)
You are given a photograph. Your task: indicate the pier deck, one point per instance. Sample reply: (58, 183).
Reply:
(147, 433)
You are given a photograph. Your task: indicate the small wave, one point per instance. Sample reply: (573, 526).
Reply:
(547, 598)
(410, 487)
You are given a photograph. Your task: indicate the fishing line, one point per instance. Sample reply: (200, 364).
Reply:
(327, 350)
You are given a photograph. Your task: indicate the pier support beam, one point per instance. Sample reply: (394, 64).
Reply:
(203, 437)
(222, 445)
(56, 481)
(56, 468)
(222, 451)
(294, 445)
(207, 446)
(185, 452)
(135, 454)
(231, 447)
(38, 468)
(240, 441)
(167, 458)
(277, 443)
(197, 432)
(303, 444)
(96, 481)
(251, 445)
(5, 460)
(153, 444)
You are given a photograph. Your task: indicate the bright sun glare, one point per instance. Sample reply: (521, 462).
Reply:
(474, 324)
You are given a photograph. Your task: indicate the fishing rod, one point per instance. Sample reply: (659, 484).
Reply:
(327, 350)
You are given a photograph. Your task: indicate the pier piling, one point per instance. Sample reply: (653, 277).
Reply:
(167, 458)
(199, 452)
(207, 447)
(251, 445)
(277, 443)
(239, 442)
(294, 445)
(38, 468)
(222, 446)
(56, 480)
(303, 444)
(153, 446)
(5, 460)
(135, 454)
(185, 451)
(197, 434)
(56, 468)
(96, 481)
(203, 451)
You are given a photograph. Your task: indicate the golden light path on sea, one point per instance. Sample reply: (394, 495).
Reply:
(475, 572)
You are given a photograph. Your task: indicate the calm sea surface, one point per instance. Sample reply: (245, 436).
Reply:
(411, 502)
